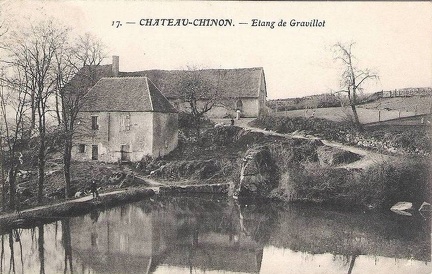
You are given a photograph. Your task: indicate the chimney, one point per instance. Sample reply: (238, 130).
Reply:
(115, 66)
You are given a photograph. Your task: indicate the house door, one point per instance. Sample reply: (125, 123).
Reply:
(239, 105)
(124, 151)
(95, 152)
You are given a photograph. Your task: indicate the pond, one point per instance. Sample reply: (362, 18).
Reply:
(197, 234)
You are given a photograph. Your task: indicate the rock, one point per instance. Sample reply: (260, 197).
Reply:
(259, 174)
(331, 156)
(401, 212)
(402, 206)
(425, 207)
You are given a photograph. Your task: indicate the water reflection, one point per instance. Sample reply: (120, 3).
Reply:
(197, 234)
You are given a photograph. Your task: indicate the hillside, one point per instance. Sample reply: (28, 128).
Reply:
(398, 99)
(419, 104)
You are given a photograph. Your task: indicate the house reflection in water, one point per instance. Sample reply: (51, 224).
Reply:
(133, 239)
(194, 234)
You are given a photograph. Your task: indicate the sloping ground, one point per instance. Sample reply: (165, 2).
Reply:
(382, 109)
(374, 181)
(340, 114)
(368, 157)
(414, 140)
(419, 104)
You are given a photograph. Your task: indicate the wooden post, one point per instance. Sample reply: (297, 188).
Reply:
(379, 115)
(399, 113)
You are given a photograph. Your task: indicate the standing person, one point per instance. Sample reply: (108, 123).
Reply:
(93, 189)
(232, 121)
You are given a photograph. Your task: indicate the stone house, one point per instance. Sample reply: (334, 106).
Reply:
(242, 89)
(125, 118)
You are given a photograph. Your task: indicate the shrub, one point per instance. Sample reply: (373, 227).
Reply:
(415, 140)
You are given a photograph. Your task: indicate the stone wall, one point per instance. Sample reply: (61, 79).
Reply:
(141, 133)
(165, 132)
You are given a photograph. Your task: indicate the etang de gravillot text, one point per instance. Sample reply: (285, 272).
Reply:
(203, 22)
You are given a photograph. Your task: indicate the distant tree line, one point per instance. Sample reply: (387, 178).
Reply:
(313, 101)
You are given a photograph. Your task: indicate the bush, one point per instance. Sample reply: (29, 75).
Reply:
(415, 140)
(380, 186)
(190, 127)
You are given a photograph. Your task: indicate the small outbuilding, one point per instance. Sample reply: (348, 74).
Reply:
(125, 119)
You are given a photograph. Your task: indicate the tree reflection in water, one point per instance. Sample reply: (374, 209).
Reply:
(67, 245)
(197, 234)
(41, 249)
(12, 256)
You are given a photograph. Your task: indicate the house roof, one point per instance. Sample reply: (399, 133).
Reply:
(86, 77)
(230, 83)
(126, 94)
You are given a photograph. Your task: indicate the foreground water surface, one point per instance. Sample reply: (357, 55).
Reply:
(218, 235)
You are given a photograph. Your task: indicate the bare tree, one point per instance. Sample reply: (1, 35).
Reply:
(13, 104)
(77, 71)
(33, 54)
(199, 94)
(352, 77)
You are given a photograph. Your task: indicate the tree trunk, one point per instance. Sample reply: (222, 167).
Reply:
(353, 102)
(33, 111)
(57, 109)
(41, 168)
(12, 187)
(41, 153)
(356, 118)
(67, 155)
(3, 175)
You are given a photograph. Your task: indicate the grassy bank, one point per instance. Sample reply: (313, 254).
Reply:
(215, 157)
(378, 186)
(49, 213)
(407, 140)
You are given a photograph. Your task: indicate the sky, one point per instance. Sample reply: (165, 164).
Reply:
(392, 38)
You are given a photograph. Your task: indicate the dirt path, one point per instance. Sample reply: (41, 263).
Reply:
(368, 157)
(86, 204)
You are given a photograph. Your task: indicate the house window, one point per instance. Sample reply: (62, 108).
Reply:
(95, 125)
(81, 148)
(95, 153)
(125, 122)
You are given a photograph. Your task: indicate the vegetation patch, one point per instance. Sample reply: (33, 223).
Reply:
(400, 140)
(197, 169)
(379, 186)
(331, 156)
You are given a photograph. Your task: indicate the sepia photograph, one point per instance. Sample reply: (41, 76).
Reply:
(215, 137)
